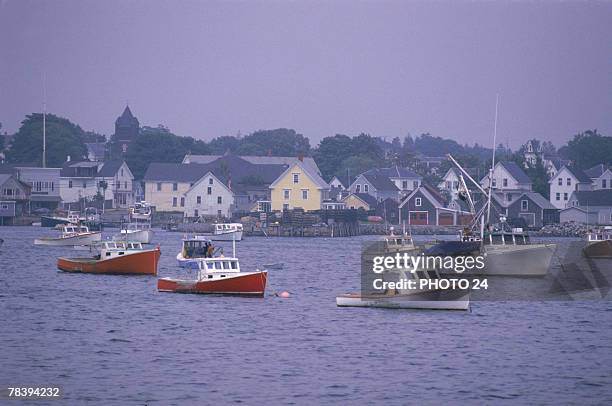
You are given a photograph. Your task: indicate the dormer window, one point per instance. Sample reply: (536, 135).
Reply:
(505, 182)
(210, 181)
(357, 188)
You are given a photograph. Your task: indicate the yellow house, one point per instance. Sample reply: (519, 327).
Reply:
(300, 186)
(360, 201)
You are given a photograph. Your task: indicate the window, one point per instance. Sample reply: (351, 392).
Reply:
(357, 188)
(560, 181)
(219, 214)
(603, 184)
(159, 186)
(415, 184)
(417, 201)
(174, 202)
(285, 206)
(286, 194)
(305, 194)
(494, 183)
(199, 200)
(448, 184)
(404, 184)
(182, 202)
(210, 181)
(85, 185)
(125, 185)
(175, 186)
(219, 200)
(196, 213)
(509, 197)
(209, 190)
(505, 182)
(569, 182)
(366, 188)
(564, 196)
(456, 185)
(558, 196)
(70, 184)
(296, 178)
(524, 205)
(118, 185)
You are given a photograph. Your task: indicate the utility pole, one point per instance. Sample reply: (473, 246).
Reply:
(44, 153)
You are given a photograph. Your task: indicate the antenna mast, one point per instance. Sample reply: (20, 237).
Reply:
(492, 162)
(44, 151)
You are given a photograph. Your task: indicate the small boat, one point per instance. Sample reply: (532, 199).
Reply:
(52, 221)
(141, 211)
(218, 275)
(226, 232)
(138, 232)
(415, 298)
(398, 243)
(277, 265)
(194, 249)
(115, 257)
(71, 235)
(599, 243)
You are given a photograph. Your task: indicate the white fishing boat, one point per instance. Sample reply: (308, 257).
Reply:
(225, 232)
(193, 250)
(410, 298)
(72, 235)
(141, 211)
(137, 232)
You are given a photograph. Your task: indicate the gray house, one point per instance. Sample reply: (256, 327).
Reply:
(386, 183)
(592, 206)
(425, 206)
(45, 184)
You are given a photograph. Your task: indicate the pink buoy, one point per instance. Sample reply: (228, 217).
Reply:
(284, 294)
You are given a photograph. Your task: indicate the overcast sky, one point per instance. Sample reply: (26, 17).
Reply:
(389, 68)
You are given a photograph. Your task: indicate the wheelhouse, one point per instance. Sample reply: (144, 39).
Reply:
(227, 228)
(196, 247)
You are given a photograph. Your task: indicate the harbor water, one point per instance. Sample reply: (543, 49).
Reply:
(116, 340)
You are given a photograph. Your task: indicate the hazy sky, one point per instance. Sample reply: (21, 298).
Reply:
(388, 68)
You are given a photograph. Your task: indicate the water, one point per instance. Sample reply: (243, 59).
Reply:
(116, 340)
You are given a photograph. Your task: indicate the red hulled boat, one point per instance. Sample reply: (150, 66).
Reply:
(115, 257)
(219, 275)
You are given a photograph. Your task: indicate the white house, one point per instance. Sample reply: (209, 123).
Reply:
(566, 181)
(208, 197)
(336, 183)
(507, 176)
(450, 182)
(601, 176)
(120, 183)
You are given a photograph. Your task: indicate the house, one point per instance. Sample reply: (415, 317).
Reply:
(450, 182)
(601, 176)
(330, 204)
(118, 178)
(532, 150)
(299, 186)
(567, 180)
(509, 180)
(255, 160)
(8, 212)
(425, 206)
(14, 195)
(336, 183)
(208, 196)
(44, 184)
(84, 180)
(534, 209)
(384, 183)
(360, 201)
(595, 205)
(167, 183)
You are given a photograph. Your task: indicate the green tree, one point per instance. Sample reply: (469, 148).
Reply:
(278, 142)
(63, 138)
(354, 165)
(330, 153)
(588, 149)
(221, 145)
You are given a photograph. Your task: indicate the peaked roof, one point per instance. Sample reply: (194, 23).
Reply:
(173, 172)
(537, 199)
(596, 171)
(309, 170)
(126, 118)
(428, 191)
(366, 198)
(256, 160)
(110, 168)
(578, 174)
(516, 172)
(601, 197)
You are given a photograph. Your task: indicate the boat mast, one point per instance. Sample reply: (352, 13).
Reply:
(44, 151)
(492, 162)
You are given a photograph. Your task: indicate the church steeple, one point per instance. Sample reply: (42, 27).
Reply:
(126, 128)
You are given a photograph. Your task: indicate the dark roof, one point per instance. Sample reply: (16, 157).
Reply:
(126, 118)
(602, 197)
(74, 169)
(173, 172)
(596, 171)
(400, 172)
(579, 174)
(369, 199)
(110, 168)
(516, 172)
(538, 199)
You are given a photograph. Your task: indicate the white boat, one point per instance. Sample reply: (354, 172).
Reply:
(141, 211)
(416, 298)
(138, 232)
(193, 250)
(226, 232)
(72, 235)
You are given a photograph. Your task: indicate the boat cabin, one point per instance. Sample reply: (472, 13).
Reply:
(398, 242)
(223, 228)
(515, 237)
(197, 247)
(74, 229)
(137, 226)
(604, 234)
(217, 267)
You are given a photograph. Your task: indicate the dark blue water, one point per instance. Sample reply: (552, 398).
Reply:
(116, 340)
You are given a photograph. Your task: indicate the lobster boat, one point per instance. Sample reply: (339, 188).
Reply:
(137, 232)
(218, 275)
(194, 249)
(599, 244)
(115, 257)
(71, 235)
(226, 232)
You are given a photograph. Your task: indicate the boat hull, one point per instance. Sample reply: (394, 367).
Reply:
(598, 249)
(429, 300)
(141, 236)
(84, 239)
(244, 284)
(518, 260)
(137, 263)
